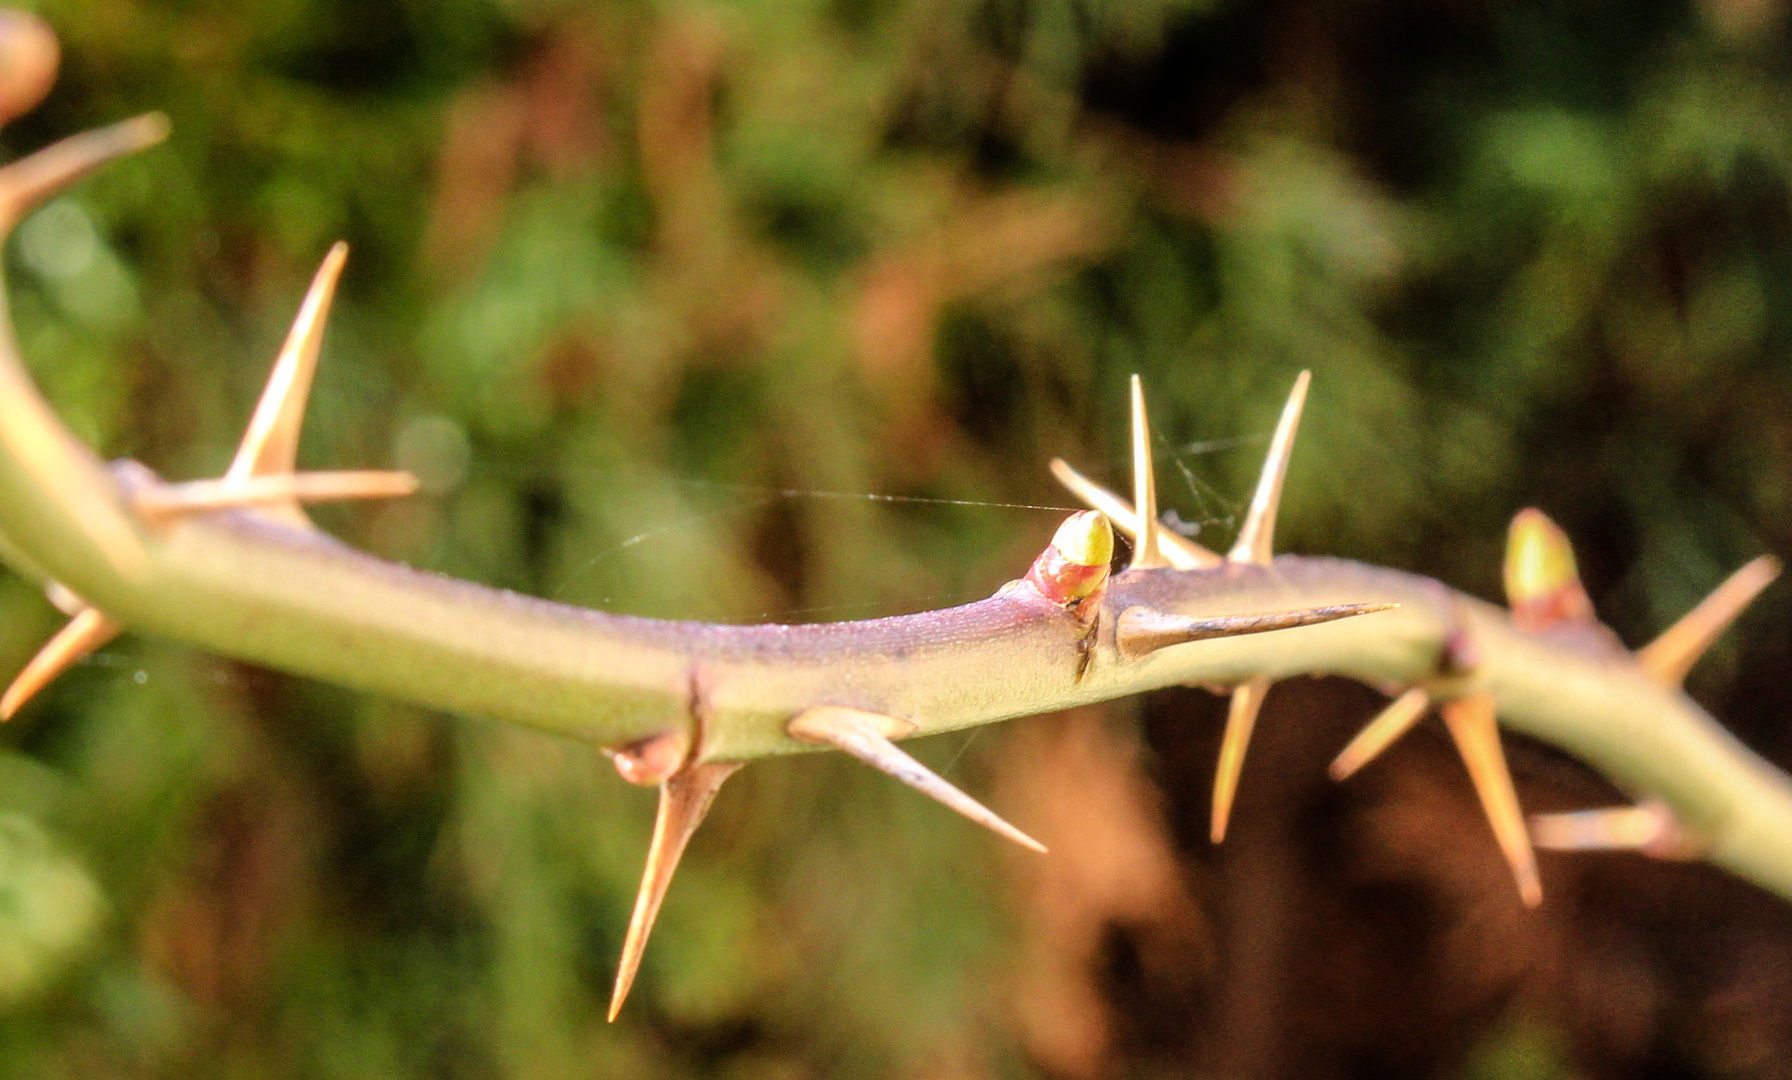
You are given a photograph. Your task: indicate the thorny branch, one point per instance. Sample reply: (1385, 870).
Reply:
(233, 565)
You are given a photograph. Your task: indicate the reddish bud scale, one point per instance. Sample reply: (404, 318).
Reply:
(1062, 581)
(1563, 604)
(1542, 582)
(1074, 566)
(653, 760)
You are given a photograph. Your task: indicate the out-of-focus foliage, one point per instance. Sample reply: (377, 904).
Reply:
(646, 291)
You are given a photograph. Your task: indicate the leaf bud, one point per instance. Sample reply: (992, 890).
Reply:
(1074, 566)
(1542, 582)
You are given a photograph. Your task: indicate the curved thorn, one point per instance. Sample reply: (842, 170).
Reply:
(858, 733)
(1141, 631)
(684, 802)
(1619, 828)
(198, 496)
(1181, 552)
(1477, 736)
(1146, 551)
(1241, 718)
(27, 183)
(1394, 721)
(1669, 657)
(1256, 540)
(88, 630)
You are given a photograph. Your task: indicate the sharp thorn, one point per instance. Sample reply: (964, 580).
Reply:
(684, 802)
(1241, 718)
(1542, 581)
(1394, 721)
(271, 443)
(31, 181)
(1626, 828)
(197, 496)
(87, 631)
(1256, 540)
(1474, 729)
(1181, 552)
(332, 486)
(858, 733)
(1669, 657)
(1146, 550)
(1141, 631)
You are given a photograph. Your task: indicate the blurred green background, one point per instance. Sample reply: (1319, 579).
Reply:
(650, 294)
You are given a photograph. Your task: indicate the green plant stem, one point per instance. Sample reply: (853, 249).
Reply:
(301, 602)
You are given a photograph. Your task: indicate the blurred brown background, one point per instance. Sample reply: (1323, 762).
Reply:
(650, 293)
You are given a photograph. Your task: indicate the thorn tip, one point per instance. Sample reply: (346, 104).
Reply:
(1256, 538)
(1147, 550)
(1669, 657)
(1622, 828)
(32, 180)
(1241, 719)
(685, 799)
(1141, 631)
(163, 501)
(1380, 733)
(862, 734)
(88, 630)
(1474, 729)
(270, 446)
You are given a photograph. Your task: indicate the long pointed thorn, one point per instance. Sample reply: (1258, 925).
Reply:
(271, 443)
(1256, 540)
(87, 631)
(1647, 827)
(861, 734)
(31, 181)
(1669, 657)
(1394, 721)
(1181, 552)
(684, 802)
(1141, 631)
(1473, 726)
(1241, 719)
(198, 496)
(1147, 550)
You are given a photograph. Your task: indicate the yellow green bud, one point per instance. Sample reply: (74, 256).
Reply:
(1542, 581)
